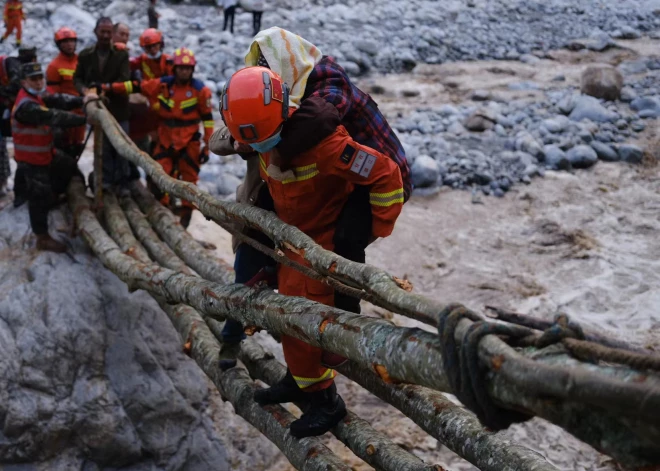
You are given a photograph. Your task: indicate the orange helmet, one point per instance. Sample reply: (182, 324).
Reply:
(64, 33)
(150, 37)
(255, 103)
(184, 56)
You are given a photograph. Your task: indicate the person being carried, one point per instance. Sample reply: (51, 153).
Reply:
(59, 79)
(46, 171)
(313, 79)
(309, 190)
(14, 17)
(185, 104)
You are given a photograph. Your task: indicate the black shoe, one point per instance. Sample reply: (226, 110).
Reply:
(285, 391)
(229, 354)
(325, 410)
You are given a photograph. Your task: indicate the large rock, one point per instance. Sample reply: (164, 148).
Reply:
(631, 153)
(582, 156)
(424, 172)
(480, 121)
(602, 81)
(587, 107)
(73, 17)
(120, 7)
(555, 158)
(93, 376)
(605, 152)
(649, 105)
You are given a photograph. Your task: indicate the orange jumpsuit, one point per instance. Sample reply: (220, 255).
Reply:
(59, 78)
(310, 197)
(14, 17)
(182, 108)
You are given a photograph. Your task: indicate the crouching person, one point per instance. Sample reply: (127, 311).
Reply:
(309, 191)
(46, 172)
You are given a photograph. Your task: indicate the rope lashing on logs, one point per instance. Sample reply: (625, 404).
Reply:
(467, 374)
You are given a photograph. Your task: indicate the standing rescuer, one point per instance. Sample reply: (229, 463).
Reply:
(14, 17)
(59, 79)
(184, 104)
(46, 172)
(309, 191)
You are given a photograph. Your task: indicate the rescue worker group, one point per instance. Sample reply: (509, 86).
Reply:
(319, 154)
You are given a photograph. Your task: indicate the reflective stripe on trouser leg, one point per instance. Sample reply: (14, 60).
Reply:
(304, 362)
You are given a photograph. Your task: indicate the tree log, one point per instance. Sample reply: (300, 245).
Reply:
(120, 229)
(172, 232)
(158, 250)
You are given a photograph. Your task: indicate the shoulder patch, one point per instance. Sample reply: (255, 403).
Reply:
(363, 164)
(347, 154)
(197, 84)
(168, 80)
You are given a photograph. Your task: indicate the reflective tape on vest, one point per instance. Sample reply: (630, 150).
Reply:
(66, 72)
(189, 103)
(37, 149)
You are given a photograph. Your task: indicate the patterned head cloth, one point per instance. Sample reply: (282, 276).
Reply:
(288, 55)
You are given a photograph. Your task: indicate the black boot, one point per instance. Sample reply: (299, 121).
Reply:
(228, 355)
(325, 410)
(285, 391)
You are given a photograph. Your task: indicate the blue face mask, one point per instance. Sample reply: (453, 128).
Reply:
(35, 92)
(155, 56)
(269, 144)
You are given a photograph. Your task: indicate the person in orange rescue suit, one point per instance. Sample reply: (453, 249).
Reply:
(309, 191)
(185, 104)
(59, 79)
(152, 64)
(14, 18)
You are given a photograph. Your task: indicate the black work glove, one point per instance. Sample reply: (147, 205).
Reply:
(204, 156)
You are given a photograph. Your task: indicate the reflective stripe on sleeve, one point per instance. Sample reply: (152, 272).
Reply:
(386, 199)
(307, 382)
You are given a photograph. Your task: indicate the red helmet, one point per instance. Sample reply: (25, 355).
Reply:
(64, 33)
(184, 56)
(255, 103)
(150, 37)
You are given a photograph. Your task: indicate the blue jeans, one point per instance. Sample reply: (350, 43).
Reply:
(247, 264)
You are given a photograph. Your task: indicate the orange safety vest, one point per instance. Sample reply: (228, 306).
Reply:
(32, 144)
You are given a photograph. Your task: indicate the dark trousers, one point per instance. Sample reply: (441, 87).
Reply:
(43, 183)
(256, 22)
(352, 235)
(116, 169)
(229, 18)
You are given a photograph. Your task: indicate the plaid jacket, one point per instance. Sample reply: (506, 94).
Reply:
(359, 114)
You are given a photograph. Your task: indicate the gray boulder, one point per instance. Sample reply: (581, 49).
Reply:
(480, 121)
(555, 158)
(649, 106)
(480, 95)
(557, 124)
(601, 81)
(631, 153)
(587, 107)
(605, 152)
(424, 172)
(627, 32)
(582, 156)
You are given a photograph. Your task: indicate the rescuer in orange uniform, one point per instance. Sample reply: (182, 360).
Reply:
(309, 192)
(14, 18)
(185, 103)
(59, 79)
(152, 64)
